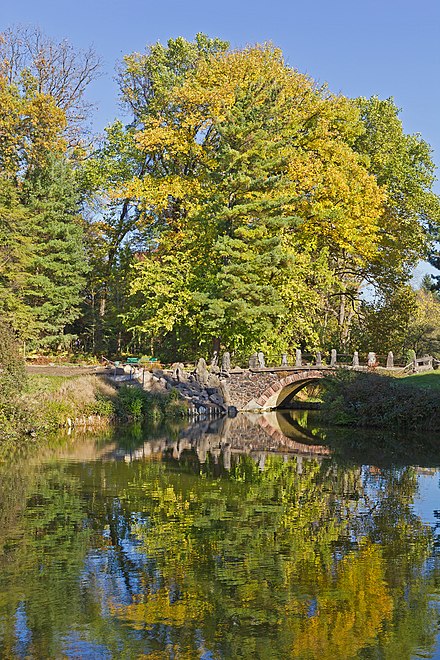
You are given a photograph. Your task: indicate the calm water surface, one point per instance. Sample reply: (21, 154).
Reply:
(251, 538)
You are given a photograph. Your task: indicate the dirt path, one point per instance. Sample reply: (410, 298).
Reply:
(66, 370)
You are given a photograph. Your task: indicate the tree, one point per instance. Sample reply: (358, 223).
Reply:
(256, 159)
(57, 263)
(402, 165)
(42, 259)
(145, 81)
(36, 64)
(423, 331)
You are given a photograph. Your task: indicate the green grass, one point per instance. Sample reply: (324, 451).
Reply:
(42, 384)
(430, 380)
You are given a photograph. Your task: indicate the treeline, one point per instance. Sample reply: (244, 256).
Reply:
(240, 206)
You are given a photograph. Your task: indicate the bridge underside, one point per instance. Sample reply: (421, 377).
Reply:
(281, 393)
(288, 393)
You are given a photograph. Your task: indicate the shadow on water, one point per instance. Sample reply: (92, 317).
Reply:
(256, 537)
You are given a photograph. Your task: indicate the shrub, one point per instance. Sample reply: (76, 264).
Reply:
(12, 366)
(365, 399)
(135, 403)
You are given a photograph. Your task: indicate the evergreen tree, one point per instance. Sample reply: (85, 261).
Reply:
(57, 265)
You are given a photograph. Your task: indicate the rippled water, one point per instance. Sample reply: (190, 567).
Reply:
(247, 538)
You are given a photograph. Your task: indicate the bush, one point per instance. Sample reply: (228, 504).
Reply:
(12, 366)
(365, 399)
(134, 404)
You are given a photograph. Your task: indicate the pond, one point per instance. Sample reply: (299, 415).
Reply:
(255, 537)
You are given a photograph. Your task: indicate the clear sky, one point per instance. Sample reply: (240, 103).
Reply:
(359, 47)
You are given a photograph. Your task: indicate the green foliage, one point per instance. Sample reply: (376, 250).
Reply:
(56, 263)
(135, 403)
(42, 257)
(13, 380)
(12, 367)
(365, 399)
(243, 206)
(404, 321)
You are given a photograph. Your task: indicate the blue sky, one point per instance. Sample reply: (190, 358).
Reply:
(383, 47)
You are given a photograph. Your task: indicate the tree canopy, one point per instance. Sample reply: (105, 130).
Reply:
(242, 206)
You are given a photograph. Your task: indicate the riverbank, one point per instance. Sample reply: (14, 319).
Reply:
(47, 402)
(372, 400)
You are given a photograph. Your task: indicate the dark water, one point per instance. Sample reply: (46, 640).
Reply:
(247, 539)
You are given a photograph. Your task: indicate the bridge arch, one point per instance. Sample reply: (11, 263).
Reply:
(285, 389)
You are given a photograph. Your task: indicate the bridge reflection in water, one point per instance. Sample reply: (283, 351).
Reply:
(255, 434)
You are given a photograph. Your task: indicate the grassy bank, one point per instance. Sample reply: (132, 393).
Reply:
(429, 380)
(47, 402)
(372, 400)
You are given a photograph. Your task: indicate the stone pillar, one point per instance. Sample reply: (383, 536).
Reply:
(333, 358)
(390, 360)
(298, 358)
(319, 359)
(178, 371)
(371, 360)
(261, 360)
(355, 359)
(226, 362)
(253, 361)
(284, 361)
(201, 372)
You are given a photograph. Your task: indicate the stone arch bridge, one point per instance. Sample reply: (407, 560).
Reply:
(267, 389)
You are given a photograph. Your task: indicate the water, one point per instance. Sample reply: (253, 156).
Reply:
(243, 539)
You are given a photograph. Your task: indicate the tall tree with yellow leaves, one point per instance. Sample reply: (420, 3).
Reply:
(257, 178)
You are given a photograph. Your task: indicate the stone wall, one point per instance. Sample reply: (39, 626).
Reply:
(245, 388)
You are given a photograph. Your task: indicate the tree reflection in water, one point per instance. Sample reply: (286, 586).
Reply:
(186, 546)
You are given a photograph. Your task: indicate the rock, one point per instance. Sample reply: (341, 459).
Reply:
(284, 361)
(213, 381)
(371, 360)
(298, 358)
(261, 360)
(178, 372)
(318, 359)
(390, 360)
(333, 358)
(355, 359)
(201, 372)
(226, 362)
(217, 399)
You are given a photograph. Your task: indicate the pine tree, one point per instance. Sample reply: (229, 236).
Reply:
(56, 264)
